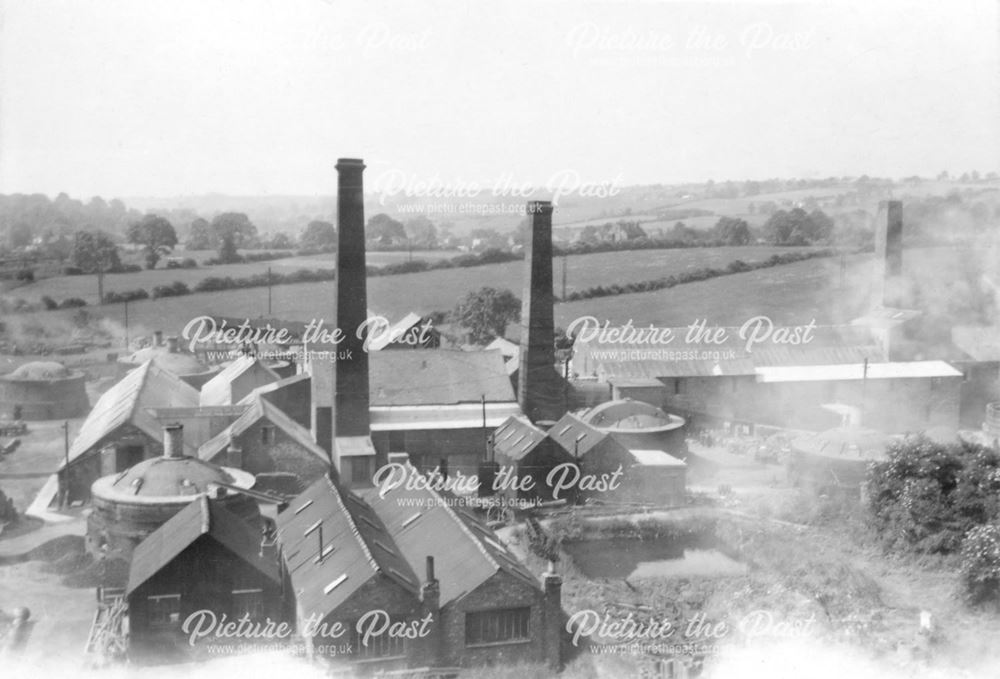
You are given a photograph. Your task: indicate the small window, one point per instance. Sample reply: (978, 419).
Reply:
(677, 386)
(164, 610)
(499, 626)
(249, 602)
(380, 646)
(267, 434)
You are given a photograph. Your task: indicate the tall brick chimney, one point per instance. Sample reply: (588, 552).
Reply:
(538, 389)
(888, 280)
(351, 368)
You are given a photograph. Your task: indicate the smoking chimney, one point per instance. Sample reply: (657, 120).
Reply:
(889, 254)
(173, 441)
(538, 390)
(351, 368)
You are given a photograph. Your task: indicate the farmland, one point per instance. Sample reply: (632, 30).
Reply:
(429, 291)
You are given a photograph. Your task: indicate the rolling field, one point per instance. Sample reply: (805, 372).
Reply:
(85, 287)
(429, 291)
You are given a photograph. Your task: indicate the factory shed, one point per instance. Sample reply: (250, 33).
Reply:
(492, 609)
(264, 440)
(520, 446)
(343, 563)
(204, 557)
(290, 394)
(438, 405)
(121, 430)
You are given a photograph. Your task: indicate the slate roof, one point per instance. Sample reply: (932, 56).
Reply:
(466, 552)
(261, 409)
(218, 390)
(200, 517)
(356, 547)
(577, 437)
(147, 386)
(516, 437)
(437, 377)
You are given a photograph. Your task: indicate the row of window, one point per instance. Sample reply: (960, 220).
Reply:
(481, 627)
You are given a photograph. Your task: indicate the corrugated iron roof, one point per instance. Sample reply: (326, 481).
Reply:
(261, 409)
(460, 416)
(425, 523)
(199, 517)
(438, 377)
(333, 544)
(129, 401)
(857, 371)
(516, 437)
(577, 437)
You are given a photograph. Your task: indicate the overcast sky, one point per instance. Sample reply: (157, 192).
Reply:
(131, 97)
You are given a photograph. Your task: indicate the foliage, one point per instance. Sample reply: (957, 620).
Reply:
(156, 234)
(732, 231)
(175, 289)
(486, 313)
(95, 252)
(385, 230)
(125, 296)
(319, 234)
(926, 496)
(798, 227)
(72, 303)
(979, 572)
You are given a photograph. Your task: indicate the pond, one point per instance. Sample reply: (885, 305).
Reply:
(629, 557)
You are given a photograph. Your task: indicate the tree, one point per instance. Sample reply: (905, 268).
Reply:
(486, 313)
(234, 230)
(319, 235)
(421, 232)
(385, 230)
(95, 252)
(200, 236)
(732, 231)
(156, 234)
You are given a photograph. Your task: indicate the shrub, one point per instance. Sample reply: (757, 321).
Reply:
(72, 271)
(72, 303)
(26, 276)
(175, 289)
(186, 263)
(125, 296)
(49, 303)
(980, 565)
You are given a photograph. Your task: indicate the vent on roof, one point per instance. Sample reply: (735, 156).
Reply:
(369, 522)
(411, 520)
(378, 543)
(333, 585)
(581, 437)
(565, 429)
(495, 544)
(519, 439)
(313, 527)
(136, 486)
(304, 505)
(325, 553)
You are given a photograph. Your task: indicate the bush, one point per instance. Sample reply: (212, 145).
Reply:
(72, 303)
(175, 289)
(980, 565)
(72, 271)
(49, 303)
(125, 296)
(26, 276)
(186, 263)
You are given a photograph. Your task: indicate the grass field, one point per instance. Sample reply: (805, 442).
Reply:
(429, 291)
(85, 287)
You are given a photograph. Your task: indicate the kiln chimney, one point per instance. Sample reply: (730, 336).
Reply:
(889, 254)
(538, 391)
(351, 367)
(173, 441)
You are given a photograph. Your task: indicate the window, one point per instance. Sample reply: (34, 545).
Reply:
(248, 602)
(491, 627)
(267, 434)
(380, 646)
(361, 470)
(164, 610)
(677, 386)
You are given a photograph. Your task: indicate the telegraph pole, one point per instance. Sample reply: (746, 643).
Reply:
(268, 292)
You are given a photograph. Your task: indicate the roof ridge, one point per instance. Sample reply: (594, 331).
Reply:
(354, 526)
(143, 376)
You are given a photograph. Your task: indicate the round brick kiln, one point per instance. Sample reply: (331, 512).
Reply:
(44, 390)
(130, 505)
(639, 426)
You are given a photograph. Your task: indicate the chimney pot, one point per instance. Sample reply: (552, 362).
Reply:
(173, 441)
(430, 569)
(158, 338)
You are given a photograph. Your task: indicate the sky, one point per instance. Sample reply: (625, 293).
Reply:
(252, 97)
